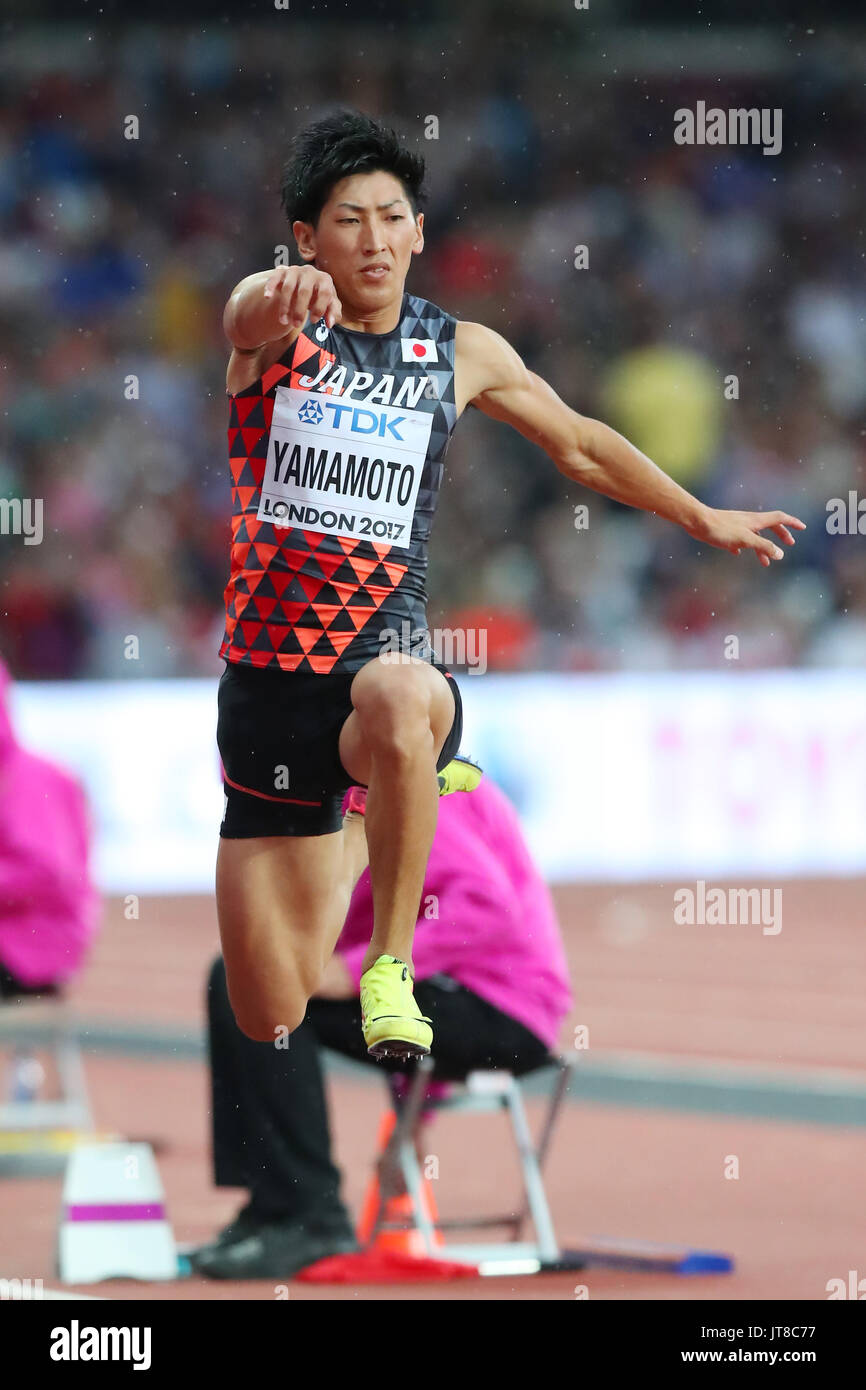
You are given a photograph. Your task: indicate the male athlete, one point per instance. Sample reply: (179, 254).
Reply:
(345, 390)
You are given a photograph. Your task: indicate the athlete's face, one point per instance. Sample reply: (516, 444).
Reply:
(365, 240)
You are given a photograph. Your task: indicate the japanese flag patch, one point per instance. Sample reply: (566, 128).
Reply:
(419, 350)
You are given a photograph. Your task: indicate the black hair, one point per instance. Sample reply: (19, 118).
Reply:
(337, 146)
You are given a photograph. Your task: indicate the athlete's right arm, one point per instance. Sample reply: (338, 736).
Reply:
(275, 304)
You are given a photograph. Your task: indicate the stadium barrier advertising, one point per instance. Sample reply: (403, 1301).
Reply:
(615, 777)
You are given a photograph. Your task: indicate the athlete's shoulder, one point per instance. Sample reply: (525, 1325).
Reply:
(486, 361)
(478, 339)
(419, 312)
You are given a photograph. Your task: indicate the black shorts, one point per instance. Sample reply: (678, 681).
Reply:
(278, 737)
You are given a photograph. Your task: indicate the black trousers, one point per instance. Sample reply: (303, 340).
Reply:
(270, 1127)
(11, 987)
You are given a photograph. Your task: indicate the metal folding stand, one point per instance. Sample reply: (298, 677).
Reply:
(484, 1092)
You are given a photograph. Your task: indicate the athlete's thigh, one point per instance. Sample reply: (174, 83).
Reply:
(277, 900)
(386, 682)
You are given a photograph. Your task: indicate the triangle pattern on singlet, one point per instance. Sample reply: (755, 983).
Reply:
(299, 599)
(251, 411)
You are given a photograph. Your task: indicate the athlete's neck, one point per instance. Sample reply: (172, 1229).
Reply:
(381, 320)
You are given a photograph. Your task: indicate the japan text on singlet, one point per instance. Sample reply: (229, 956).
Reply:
(336, 457)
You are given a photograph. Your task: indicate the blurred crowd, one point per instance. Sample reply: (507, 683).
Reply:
(716, 317)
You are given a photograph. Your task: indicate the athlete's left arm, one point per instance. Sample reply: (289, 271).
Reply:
(595, 455)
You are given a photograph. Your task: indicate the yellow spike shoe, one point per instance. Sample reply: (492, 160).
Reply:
(392, 1023)
(460, 775)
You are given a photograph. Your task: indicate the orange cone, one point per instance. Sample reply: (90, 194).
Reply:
(397, 1210)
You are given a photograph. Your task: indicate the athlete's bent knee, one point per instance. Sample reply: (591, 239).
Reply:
(395, 721)
(268, 1028)
(264, 1018)
(253, 1030)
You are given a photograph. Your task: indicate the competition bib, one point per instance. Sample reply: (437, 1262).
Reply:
(343, 468)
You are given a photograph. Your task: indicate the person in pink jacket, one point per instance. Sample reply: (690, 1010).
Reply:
(49, 908)
(490, 971)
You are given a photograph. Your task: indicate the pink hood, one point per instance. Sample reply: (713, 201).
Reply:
(49, 909)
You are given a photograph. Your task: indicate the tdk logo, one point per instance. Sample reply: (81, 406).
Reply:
(311, 413)
(363, 421)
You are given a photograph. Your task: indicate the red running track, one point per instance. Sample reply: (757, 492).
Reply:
(716, 994)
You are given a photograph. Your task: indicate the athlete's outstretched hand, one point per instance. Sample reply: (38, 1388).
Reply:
(300, 292)
(736, 531)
